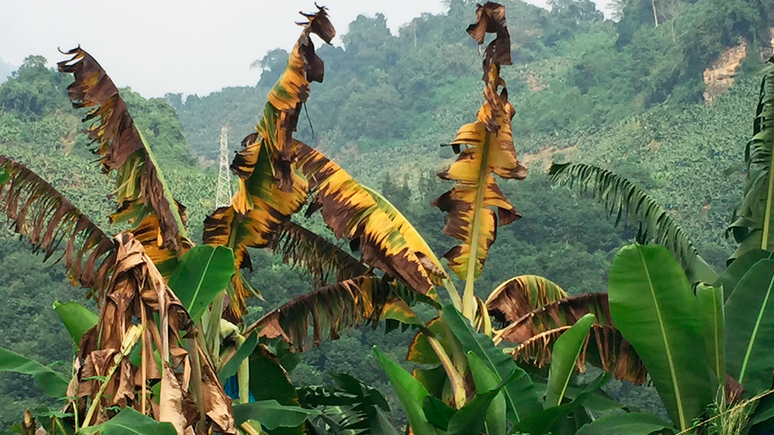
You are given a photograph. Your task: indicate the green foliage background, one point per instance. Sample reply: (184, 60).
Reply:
(624, 95)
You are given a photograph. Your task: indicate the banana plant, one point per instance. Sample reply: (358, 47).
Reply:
(752, 218)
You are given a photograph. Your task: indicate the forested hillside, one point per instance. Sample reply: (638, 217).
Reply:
(626, 94)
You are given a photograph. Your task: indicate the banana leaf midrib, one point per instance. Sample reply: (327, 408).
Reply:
(754, 334)
(468, 294)
(667, 348)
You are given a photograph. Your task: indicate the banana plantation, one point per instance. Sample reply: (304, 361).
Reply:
(161, 337)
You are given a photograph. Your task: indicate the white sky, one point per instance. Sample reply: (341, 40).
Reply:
(176, 46)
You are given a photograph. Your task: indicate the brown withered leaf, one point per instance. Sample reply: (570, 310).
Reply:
(320, 258)
(535, 333)
(137, 294)
(520, 295)
(171, 398)
(490, 18)
(140, 186)
(332, 309)
(48, 218)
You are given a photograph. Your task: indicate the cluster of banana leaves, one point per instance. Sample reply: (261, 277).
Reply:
(168, 352)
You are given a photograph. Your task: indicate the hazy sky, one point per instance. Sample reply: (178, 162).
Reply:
(191, 46)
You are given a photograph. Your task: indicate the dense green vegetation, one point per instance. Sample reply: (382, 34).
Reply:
(625, 95)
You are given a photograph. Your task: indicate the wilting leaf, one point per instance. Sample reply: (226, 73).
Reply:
(51, 382)
(475, 205)
(226, 227)
(138, 298)
(140, 186)
(520, 295)
(420, 351)
(627, 200)
(131, 422)
(324, 261)
(535, 333)
(76, 318)
(48, 218)
(202, 274)
(272, 415)
(351, 212)
(654, 308)
(332, 309)
(418, 244)
(490, 18)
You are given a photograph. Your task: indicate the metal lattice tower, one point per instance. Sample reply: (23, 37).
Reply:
(223, 197)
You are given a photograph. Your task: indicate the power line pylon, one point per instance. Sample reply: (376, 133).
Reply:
(223, 196)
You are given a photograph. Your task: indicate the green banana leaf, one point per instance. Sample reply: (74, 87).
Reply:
(711, 310)
(750, 328)
(486, 380)
(520, 395)
(736, 270)
(565, 353)
(272, 415)
(51, 382)
(410, 392)
(635, 423)
(131, 422)
(202, 274)
(232, 365)
(76, 318)
(652, 305)
(543, 422)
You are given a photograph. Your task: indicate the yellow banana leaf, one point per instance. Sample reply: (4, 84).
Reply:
(413, 238)
(488, 150)
(351, 212)
(281, 112)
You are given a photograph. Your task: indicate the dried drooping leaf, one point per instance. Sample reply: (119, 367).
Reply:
(351, 212)
(324, 261)
(520, 295)
(138, 295)
(490, 18)
(48, 218)
(332, 309)
(535, 333)
(280, 115)
(140, 186)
